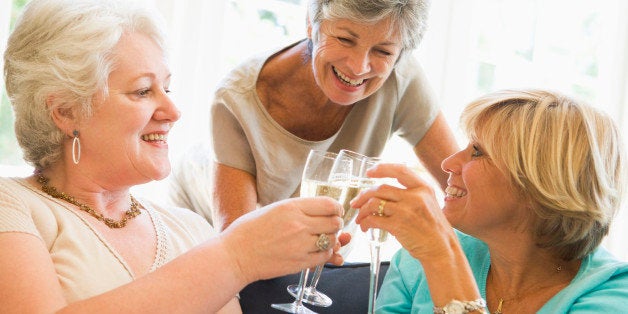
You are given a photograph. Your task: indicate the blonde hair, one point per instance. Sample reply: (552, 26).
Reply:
(63, 48)
(565, 156)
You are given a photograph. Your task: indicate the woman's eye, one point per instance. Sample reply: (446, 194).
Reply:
(344, 40)
(143, 92)
(476, 151)
(384, 52)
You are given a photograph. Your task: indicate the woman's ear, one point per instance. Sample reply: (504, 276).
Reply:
(64, 117)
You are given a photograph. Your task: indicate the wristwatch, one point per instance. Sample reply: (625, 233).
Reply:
(461, 307)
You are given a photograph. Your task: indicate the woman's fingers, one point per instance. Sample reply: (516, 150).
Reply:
(398, 209)
(323, 242)
(336, 258)
(287, 236)
(382, 192)
(344, 238)
(319, 206)
(316, 215)
(377, 206)
(405, 175)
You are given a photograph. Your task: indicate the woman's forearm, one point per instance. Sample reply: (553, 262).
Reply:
(200, 281)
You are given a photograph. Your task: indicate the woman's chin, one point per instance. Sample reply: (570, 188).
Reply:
(158, 173)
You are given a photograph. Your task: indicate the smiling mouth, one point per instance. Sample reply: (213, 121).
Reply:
(155, 137)
(455, 192)
(346, 80)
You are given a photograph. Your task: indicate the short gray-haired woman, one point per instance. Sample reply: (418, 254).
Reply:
(530, 198)
(89, 83)
(352, 83)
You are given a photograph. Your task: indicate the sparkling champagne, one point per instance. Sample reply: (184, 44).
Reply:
(375, 235)
(350, 213)
(311, 188)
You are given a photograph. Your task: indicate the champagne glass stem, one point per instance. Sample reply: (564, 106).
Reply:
(302, 283)
(324, 174)
(316, 276)
(297, 305)
(375, 262)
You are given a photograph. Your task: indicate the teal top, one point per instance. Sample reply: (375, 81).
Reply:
(601, 285)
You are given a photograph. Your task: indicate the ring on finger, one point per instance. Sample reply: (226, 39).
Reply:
(323, 242)
(380, 208)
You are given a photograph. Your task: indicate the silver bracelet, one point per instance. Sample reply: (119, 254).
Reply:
(461, 307)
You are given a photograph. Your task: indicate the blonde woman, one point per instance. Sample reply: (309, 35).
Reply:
(527, 204)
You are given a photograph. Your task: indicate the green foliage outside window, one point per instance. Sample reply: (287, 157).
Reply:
(10, 153)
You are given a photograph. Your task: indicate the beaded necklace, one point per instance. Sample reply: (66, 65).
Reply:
(133, 212)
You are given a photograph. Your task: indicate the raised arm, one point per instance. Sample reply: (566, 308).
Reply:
(437, 144)
(234, 193)
(30, 285)
(202, 280)
(414, 217)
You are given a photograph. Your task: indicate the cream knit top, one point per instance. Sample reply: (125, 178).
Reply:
(85, 263)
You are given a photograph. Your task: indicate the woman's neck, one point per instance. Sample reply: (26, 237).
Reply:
(523, 279)
(85, 189)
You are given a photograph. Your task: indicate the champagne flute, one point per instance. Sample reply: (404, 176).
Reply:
(319, 180)
(376, 236)
(311, 295)
(355, 186)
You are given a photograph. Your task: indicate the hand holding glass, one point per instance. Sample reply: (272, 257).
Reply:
(376, 236)
(322, 176)
(311, 295)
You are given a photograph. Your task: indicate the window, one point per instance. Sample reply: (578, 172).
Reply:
(11, 162)
(575, 46)
(478, 46)
(471, 47)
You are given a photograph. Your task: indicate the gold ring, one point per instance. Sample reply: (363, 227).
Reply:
(380, 208)
(323, 242)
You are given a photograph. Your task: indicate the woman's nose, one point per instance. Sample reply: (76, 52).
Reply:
(450, 164)
(167, 109)
(360, 63)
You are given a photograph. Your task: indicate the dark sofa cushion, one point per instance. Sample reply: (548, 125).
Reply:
(346, 285)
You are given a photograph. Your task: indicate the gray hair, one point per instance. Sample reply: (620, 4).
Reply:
(408, 16)
(63, 48)
(563, 155)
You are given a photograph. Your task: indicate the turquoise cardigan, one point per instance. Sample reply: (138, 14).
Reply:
(601, 285)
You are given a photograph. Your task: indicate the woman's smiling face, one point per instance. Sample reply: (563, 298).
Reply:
(479, 197)
(351, 61)
(126, 138)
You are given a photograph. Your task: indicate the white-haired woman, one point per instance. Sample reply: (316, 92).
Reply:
(530, 198)
(88, 81)
(351, 84)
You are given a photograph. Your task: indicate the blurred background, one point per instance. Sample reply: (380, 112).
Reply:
(471, 47)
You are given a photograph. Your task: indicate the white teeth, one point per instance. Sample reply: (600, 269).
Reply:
(346, 80)
(455, 192)
(154, 137)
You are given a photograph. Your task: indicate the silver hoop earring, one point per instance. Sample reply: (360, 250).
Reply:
(76, 148)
